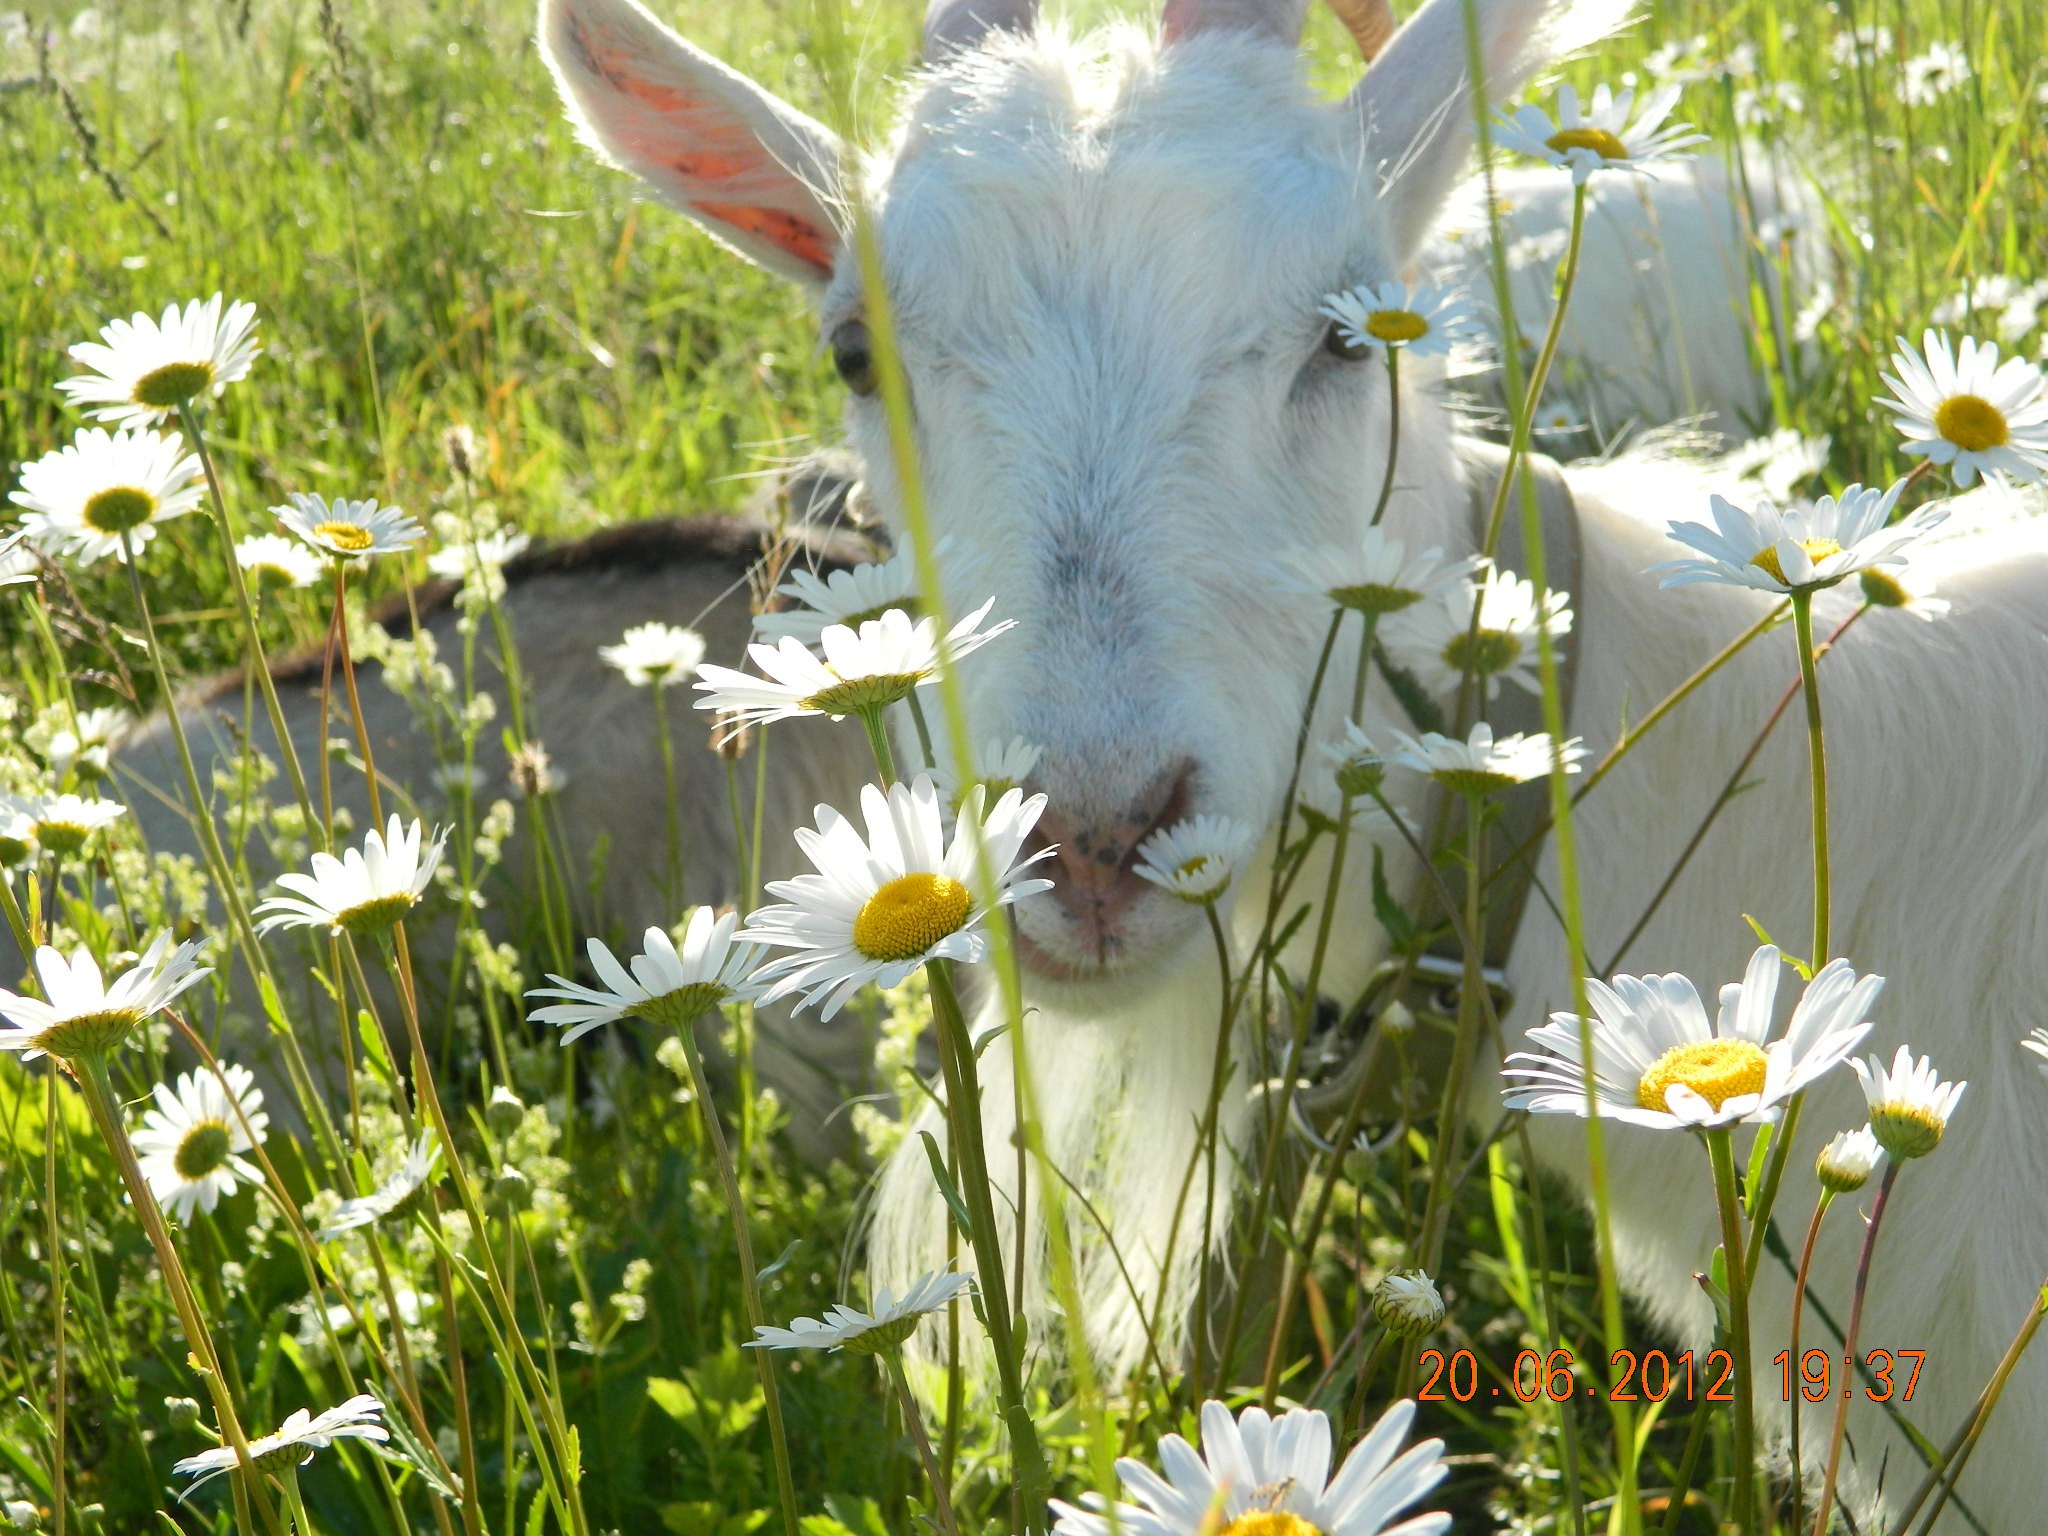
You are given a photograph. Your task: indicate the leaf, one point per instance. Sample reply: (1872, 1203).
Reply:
(703, 1518)
(406, 1450)
(781, 1259)
(945, 1181)
(1393, 918)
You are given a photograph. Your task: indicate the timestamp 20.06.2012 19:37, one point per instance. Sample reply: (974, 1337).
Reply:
(1653, 1376)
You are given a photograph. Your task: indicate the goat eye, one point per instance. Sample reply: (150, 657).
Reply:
(853, 356)
(1337, 342)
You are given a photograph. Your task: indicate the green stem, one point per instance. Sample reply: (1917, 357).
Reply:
(878, 741)
(942, 1494)
(1450, 1112)
(750, 1280)
(1794, 1392)
(1393, 434)
(1721, 1150)
(1825, 1504)
(1802, 623)
(60, 1390)
(963, 1112)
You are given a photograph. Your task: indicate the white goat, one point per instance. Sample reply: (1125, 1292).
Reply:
(1106, 255)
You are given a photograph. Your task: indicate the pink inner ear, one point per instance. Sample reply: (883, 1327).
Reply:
(786, 231)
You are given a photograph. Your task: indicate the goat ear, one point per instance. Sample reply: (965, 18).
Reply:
(1416, 99)
(750, 168)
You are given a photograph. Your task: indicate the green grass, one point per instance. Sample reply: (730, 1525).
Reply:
(396, 191)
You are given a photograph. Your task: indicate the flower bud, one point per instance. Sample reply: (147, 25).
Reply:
(1846, 1163)
(504, 1112)
(1407, 1304)
(183, 1412)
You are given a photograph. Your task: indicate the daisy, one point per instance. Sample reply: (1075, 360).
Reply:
(1659, 1061)
(1909, 1103)
(1906, 588)
(1799, 549)
(1407, 1303)
(859, 672)
(64, 822)
(1436, 641)
(1965, 409)
(882, 905)
(349, 530)
(851, 596)
(83, 498)
(276, 563)
(654, 653)
(85, 745)
(191, 1141)
(1778, 463)
(85, 1017)
(301, 1433)
(361, 893)
(867, 1333)
(667, 985)
(1390, 317)
(484, 554)
(1602, 139)
(1195, 859)
(18, 562)
(422, 1162)
(1846, 1163)
(1480, 765)
(1557, 417)
(144, 369)
(2037, 1042)
(1258, 1475)
(1933, 74)
(1381, 578)
(997, 772)
(1358, 766)
(17, 833)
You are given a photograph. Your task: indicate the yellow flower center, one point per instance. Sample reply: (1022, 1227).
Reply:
(118, 509)
(1817, 550)
(1972, 423)
(204, 1149)
(1599, 140)
(171, 385)
(1488, 652)
(366, 919)
(1716, 1070)
(909, 915)
(351, 538)
(1395, 326)
(1269, 1522)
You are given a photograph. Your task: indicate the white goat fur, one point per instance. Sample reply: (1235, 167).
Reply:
(1105, 256)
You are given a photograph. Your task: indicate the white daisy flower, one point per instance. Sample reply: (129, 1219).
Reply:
(1965, 409)
(275, 563)
(1387, 317)
(1904, 587)
(192, 1140)
(1380, 578)
(422, 1163)
(1407, 1303)
(81, 499)
(1659, 1061)
(143, 368)
(18, 562)
(1480, 765)
(867, 1333)
(65, 822)
(997, 771)
(85, 745)
(1932, 75)
(1258, 1475)
(878, 666)
(654, 653)
(293, 1442)
(1846, 1163)
(850, 596)
(82, 1015)
(1799, 549)
(362, 892)
(1778, 463)
(666, 985)
(1436, 642)
(349, 530)
(17, 834)
(1195, 859)
(1909, 1104)
(1358, 766)
(1604, 138)
(2037, 1042)
(485, 555)
(882, 905)
(1557, 417)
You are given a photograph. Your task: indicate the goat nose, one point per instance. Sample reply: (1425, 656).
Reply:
(1093, 869)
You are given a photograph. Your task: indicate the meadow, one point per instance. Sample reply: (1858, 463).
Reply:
(462, 314)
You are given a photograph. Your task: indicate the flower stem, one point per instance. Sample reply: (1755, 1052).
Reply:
(963, 1111)
(750, 1281)
(1436, 1213)
(1393, 434)
(1820, 1209)
(1802, 625)
(942, 1494)
(1721, 1150)
(1825, 1504)
(878, 741)
(59, 1390)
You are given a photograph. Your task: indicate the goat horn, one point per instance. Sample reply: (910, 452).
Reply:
(1281, 19)
(1370, 22)
(951, 25)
